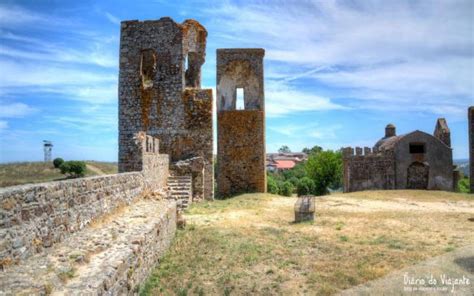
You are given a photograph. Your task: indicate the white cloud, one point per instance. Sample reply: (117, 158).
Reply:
(282, 99)
(403, 53)
(112, 18)
(12, 110)
(307, 131)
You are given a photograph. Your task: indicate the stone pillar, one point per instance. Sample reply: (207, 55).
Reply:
(240, 133)
(471, 146)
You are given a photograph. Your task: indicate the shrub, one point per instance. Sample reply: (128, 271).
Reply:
(272, 185)
(325, 169)
(305, 186)
(463, 185)
(74, 169)
(286, 188)
(294, 181)
(57, 162)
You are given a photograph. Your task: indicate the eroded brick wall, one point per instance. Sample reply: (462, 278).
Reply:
(368, 169)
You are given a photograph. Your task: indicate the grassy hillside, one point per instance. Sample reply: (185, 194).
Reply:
(37, 172)
(249, 245)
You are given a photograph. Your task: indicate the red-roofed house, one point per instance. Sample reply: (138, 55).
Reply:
(284, 164)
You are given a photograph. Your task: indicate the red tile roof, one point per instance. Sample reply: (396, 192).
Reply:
(285, 164)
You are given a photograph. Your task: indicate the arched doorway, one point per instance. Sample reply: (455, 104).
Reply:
(417, 176)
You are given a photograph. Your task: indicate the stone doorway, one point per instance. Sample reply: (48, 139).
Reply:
(417, 177)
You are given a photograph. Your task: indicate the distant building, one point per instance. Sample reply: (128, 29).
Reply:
(416, 160)
(284, 161)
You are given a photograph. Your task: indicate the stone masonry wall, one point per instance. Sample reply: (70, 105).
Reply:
(240, 133)
(36, 216)
(471, 146)
(368, 169)
(241, 152)
(159, 92)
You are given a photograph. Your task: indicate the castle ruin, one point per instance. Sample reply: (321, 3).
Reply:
(240, 133)
(160, 93)
(416, 160)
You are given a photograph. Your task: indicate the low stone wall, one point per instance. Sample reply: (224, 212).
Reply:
(114, 257)
(36, 216)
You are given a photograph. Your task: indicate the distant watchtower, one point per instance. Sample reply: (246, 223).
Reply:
(47, 148)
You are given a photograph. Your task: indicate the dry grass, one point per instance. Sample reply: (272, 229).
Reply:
(36, 172)
(249, 245)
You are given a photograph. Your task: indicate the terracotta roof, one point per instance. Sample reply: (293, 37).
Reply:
(285, 164)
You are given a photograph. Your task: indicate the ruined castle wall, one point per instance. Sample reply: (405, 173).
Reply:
(240, 68)
(240, 133)
(159, 92)
(36, 216)
(471, 146)
(241, 152)
(368, 169)
(437, 157)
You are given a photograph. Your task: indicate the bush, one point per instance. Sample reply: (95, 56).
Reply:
(57, 162)
(305, 186)
(294, 181)
(74, 169)
(325, 169)
(272, 185)
(286, 188)
(463, 185)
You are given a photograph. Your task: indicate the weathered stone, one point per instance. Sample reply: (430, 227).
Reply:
(241, 133)
(304, 208)
(415, 160)
(160, 94)
(471, 146)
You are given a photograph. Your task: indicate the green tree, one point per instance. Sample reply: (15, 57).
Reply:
(57, 162)
(305, 186)
(286, 188)
(463, 185)
(272, 185)
(284, 149)
(73, 168)
(297, 171)
(325, 169)
(316, 149)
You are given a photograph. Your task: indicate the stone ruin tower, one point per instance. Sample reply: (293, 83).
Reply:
(240, 133)
(160, 94)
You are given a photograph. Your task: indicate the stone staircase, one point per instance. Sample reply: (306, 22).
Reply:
(181, 190)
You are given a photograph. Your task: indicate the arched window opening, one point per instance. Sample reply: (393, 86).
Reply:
(147, 68)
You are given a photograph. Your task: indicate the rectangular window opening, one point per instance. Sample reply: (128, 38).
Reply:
(240, 104)
(416, 148)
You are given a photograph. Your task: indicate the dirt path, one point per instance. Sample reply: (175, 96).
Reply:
(95, 169)
(448, 274)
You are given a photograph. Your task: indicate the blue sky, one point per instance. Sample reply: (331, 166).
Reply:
(336, 72)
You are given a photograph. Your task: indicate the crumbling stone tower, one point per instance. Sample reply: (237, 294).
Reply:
(240, 133)
(442, 131)
(160, 94)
